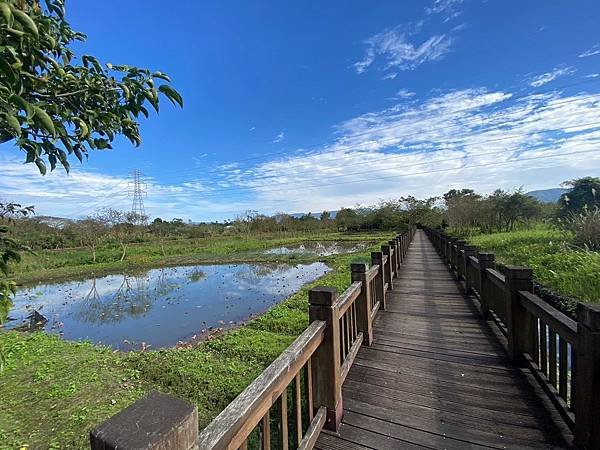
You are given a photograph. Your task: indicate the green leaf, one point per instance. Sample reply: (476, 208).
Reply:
(32, 153)
(22, 104)
(44, 120)
(14, 123)
(78, 153)
(26, 22)
(41, 166)
(162, 76)
(171, 94)
(6, 14)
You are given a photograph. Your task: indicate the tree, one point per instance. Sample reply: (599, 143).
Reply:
(9, 251)
(90, 231)
(584, 194)
(347, 219)
(51, 106)
(325, 217)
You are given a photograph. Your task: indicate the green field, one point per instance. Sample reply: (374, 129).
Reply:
(54, 392)
(46, 265)
(556, 264)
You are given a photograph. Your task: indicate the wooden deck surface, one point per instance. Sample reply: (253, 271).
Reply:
(437, 375)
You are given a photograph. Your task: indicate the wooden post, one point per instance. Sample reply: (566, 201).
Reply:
(393, 246)
(154, 421)
(521, 323)
(326, 361)
(452, 258)
(377, 258)
(399, 254)
(459, 262)
(470, 250)
(587, 377)
(363, 303)
(486, 261)
(385, 249)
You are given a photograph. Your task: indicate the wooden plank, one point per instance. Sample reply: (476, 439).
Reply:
(312, 434)
(491, 433)
(330, 441)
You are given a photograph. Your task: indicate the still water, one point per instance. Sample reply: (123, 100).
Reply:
(160, 307)
(318, 248)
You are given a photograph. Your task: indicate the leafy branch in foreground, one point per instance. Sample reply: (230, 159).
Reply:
(51, 106)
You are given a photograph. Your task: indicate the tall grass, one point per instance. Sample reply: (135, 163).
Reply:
(569, 270)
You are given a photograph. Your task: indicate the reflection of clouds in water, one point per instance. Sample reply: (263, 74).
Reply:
(318, 248)
(162, 306)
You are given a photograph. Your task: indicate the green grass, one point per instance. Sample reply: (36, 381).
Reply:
(61, 264)
(54, 392)
(556, 264)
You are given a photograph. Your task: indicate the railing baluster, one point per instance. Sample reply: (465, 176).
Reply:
(298, 390)
(266, 431)
(353, 307)
(563, 368)
(543, 348)
(309, 390)
(552, 357)
(283, 418)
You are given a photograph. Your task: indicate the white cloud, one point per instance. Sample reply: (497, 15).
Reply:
(404, 94)
(280, 137)
(395, 47)
(427, 148)
(447, 8)
(467, 138)
(547, 77)
(595, 50)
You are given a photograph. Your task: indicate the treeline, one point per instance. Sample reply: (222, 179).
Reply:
(462, 210)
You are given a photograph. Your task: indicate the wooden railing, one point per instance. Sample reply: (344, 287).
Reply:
(300, 393)
(562, 354)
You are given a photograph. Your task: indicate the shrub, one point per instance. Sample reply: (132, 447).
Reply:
(586, 228)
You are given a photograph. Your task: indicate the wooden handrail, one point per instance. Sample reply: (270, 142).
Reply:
(497, 278)
(347, 298)
(231, 428)
(540, 337)
(561, 323)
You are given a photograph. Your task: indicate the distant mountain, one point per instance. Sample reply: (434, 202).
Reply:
(548, 195)
(316, 215)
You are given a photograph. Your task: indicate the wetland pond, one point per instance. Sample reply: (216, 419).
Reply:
(325, 248)
(160, 307)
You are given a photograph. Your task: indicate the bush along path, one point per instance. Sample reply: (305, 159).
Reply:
(54, 391)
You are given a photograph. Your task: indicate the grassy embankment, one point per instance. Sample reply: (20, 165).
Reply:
(54, 391)
(556, 264)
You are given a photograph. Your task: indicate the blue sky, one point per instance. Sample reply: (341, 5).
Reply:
(306, 106)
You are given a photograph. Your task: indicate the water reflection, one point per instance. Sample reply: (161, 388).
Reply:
(318, 248)
(162, 306)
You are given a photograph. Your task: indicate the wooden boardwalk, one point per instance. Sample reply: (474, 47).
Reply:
(437, 375)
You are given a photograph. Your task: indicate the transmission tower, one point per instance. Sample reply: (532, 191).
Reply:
(137, 206)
